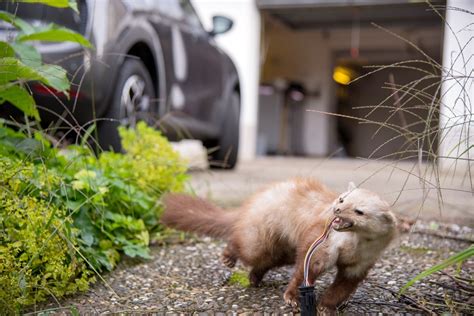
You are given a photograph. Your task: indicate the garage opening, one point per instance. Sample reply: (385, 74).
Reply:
(312, 50)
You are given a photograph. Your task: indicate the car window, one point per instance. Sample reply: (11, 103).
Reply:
(191, 16)
(171, 8)
(39, 14)
(180, 10)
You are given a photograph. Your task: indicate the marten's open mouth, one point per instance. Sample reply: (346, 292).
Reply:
(341, 224)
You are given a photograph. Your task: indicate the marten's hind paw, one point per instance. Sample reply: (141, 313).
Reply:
(290, 298)
(326, 311)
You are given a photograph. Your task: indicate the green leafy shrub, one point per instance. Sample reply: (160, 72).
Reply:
(153, 159)
(37, 242)
(79, 205)
(21, 62)
(68, 214)
(114, 198)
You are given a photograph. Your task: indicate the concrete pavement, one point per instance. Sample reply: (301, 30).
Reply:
(447, 197)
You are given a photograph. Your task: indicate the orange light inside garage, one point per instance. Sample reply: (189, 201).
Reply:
(342, 75)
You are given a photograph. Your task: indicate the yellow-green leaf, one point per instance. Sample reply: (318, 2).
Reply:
(17, 22)
(20, 98)
(6, 50)
(55, 77)
(55, 33)
(55, 3)
(28, 54)
(11, 69)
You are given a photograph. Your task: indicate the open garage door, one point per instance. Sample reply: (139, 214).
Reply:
(310, 44)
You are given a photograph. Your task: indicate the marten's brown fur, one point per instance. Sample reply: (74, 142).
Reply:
(276, 226)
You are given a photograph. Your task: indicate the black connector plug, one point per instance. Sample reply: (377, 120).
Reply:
(307, 301)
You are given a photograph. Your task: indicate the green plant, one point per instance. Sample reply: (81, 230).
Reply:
(89, 210)
(442, 138)
(434, 129)
(114, 199)
(68, 214)
(38, 245)
(457, 258)
(16, 72)
(239, 278)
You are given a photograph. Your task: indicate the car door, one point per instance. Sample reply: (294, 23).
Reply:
(194, 79)
(206, 81)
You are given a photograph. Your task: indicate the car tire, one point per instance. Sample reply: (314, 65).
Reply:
(132, 100)
(225, 157)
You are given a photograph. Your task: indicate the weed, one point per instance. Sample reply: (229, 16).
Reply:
(239, 278)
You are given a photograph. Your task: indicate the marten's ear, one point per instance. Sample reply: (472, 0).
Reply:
(388, 217)
(351, 187)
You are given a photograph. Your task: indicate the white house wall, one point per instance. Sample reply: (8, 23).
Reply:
(458, 88)
(242, 44)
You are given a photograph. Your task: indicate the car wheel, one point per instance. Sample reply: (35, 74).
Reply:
(132, 100)
(225, 157)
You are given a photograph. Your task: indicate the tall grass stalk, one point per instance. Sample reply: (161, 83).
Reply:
(439, 143)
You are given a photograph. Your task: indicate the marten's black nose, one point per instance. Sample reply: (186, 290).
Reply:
(337, 211)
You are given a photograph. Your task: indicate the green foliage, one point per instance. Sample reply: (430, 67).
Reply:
(78, 205)
(54, 3)
(153, 160)
(20, 98)
(455, 259)
(67, 215)
(15, 145)
(16, 71)
(115, 198)
(37, 241)
(54, 33)
(240, 278)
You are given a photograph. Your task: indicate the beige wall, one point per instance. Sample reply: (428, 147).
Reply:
(300, 56)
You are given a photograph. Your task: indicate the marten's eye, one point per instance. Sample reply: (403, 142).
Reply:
(341, 200)
(358, 212)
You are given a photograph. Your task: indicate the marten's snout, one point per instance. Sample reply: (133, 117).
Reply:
(337, 211)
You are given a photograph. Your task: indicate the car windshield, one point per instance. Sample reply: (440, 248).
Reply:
(38, 14)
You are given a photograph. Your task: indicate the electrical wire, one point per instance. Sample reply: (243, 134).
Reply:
(313, 247)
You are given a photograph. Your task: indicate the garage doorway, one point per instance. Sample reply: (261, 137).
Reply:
(395, 111)
(303, 42)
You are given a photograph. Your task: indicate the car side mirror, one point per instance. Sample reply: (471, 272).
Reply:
(220, 25)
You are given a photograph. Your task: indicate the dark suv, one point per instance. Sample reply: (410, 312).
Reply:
(152, 60)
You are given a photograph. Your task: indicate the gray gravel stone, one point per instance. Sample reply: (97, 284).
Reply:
(188, 279)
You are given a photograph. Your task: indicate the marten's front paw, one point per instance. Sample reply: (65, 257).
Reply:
(228, 261)
(228, 257)
(290, 297)
(326, 311)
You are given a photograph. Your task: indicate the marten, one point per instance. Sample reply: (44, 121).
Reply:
(277, 225)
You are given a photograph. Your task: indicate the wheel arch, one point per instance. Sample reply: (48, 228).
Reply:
(142, 51)
(237, 87)
(141, 41)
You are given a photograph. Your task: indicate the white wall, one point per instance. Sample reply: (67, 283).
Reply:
(242, 44)
(458, 87)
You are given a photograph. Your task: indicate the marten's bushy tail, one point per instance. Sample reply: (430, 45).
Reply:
(193, 214)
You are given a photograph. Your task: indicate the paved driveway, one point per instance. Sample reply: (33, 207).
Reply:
(397, 183)
(189, 278)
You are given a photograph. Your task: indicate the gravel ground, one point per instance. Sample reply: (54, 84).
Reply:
(186, 278)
